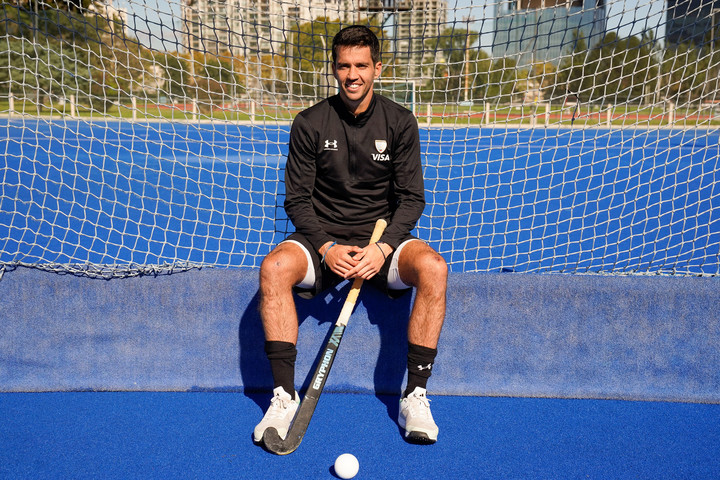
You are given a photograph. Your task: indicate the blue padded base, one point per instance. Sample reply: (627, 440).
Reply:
(567, 336)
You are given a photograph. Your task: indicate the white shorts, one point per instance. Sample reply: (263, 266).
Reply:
(394, 281)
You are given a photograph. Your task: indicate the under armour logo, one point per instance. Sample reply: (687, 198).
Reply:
(331, 145)
(428, 367)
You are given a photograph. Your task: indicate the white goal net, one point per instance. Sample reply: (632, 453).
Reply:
(573, 136)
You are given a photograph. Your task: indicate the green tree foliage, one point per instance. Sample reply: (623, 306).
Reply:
(458, 62)
(617, 70)
(176, 72)
(55, 24)
(60, 52)
(307, 49)
(51, 51)
(38, 69)
(503, 77)
(690, 74)
(216, 80)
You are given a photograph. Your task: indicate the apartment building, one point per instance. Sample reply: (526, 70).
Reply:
(243, 27)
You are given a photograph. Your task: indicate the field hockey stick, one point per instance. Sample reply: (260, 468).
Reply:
(295, 434)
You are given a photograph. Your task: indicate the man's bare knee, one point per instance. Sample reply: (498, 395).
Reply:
(432, 275)
(434, 265)
(428, 268)
(283, 267)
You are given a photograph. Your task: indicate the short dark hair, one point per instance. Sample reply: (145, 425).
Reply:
(356, 36)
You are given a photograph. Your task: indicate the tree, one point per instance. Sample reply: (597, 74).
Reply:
(176, 72)
(308, 54)
(571, 76)
(480, 69)
(453, 58)
(57, 47)
(677, 69)
(503, 78)
(616, 70)
(78, 6)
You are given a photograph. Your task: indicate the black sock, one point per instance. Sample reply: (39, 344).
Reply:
(419, 364)
(282, 364)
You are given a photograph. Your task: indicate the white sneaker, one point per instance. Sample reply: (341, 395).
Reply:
(416, 419)
(279, 415)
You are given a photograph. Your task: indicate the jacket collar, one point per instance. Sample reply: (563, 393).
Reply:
(359, 120)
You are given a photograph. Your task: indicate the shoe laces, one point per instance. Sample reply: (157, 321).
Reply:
(278, 406)
(419, 404)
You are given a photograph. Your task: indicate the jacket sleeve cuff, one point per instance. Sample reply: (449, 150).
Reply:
(318, 241)
(390, 241)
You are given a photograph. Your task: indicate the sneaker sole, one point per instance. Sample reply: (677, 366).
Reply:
(419, 438)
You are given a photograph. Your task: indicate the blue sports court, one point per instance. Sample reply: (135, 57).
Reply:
(531, 200)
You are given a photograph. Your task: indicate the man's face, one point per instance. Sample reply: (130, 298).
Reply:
(355, 73)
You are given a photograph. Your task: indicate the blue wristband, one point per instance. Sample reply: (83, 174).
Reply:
(328, 249)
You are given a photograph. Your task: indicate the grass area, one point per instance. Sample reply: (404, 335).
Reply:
(449, 115)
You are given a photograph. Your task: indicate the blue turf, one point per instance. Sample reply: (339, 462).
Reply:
(207, 435)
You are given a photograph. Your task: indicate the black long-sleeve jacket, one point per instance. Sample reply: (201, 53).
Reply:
(344, 172)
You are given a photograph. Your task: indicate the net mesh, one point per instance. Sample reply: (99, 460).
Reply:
(572, 136)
